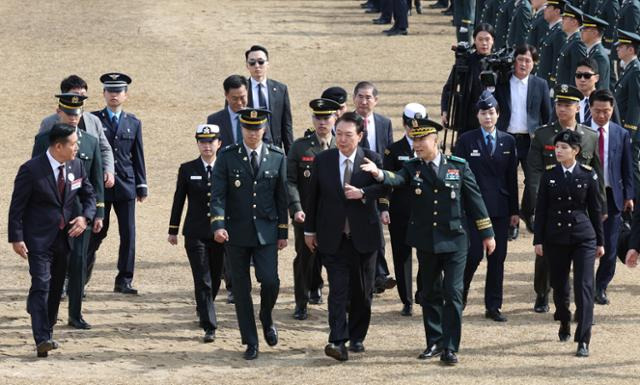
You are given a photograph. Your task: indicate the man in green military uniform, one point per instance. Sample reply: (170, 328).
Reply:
(70, 107)
(627, 94)
(553, 41)
(609, 11)
(249, 215)
(463, 17)
(520, 23)
(539, 26)
(299, 162)
(591, 34)
(573, 50)
(542, 156)
(438, 185)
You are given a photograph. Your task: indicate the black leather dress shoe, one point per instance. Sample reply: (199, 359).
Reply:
(437, 5)
(541, 305)
(448, 12)
(372, 10)
(209, 336)
(448, 357)
(601, 297)
(380, 288)
(338, 352)
(381, 21)
(433, 351)
(583, 350)
(271, 335)
(79, 323)
(495, 315)
(230, 298)
(356, 347)
(366, 4)
(315, 297)
(418, 7)
(407, 310)
(251, 353)
(43, 348)
(565, 331)
(300, 313)
(124, 288)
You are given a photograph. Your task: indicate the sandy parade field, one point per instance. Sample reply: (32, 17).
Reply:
(178, 53)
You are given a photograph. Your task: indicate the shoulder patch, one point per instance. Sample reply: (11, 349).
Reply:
(456, 159)
(275, 148)
(229, 147)
(549, 167)
(586, 167)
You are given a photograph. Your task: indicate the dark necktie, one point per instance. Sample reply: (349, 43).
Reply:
(601, 145)
(587, 112)
(261, 98)
(254, 163)
(238, 129)
(114, 121)
(346, 180)
(567, 175)
(61, 193)
(490, 144)
(365, 140)
(434, 169)
(209, 173)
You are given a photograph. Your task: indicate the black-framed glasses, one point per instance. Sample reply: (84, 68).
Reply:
(585, 75)
(254, 62)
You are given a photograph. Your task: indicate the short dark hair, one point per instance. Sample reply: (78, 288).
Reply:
(589, 62)
(234, 81)
(486, 27)
(256, 47)
(365, 84)
(352, 117)
(603, 95)
(60, 132)
(71, 82)
(524, 48)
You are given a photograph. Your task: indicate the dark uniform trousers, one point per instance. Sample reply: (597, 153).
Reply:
(305, 268)
(206, 258)
(495, 261)
(607, 263)
(351, 276)
(402, 261)
(78, 273)
(47, 269)
(523, 143)
(265, 262)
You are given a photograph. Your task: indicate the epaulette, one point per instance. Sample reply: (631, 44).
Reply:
(586, 167)
(630, 127)
(229, 147)
(309, 131)
(456, 159)
(275, 148)
(387, 151)
(550, 166)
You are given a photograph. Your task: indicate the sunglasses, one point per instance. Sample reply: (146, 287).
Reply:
(585, 75)
(254, 62)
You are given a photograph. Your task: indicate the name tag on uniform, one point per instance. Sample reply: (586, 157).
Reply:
(475, 153)
(506, 152)
(76, 184)
(196, 177)
(403, 158)
(452, 174)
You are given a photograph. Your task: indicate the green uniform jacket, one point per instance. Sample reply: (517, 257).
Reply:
(520, 24)
(600, 55)
(299, 161)
(549, 51)
(571, 53)
(542, 156)
(609, 11)
(89, 154)
(436, 223)
(627, 93)
(252, 210)
(539, 29)
(489, 12)
(630, 16)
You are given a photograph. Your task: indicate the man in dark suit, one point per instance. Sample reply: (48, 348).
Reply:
(205, 255)
(70, 111)
(377, 136)
(271, 95)
(227, 119)
(124, 132)
(41, 225)
(249, 215)
(492, 156)
(591, 33)
(587, 76)
(615, 152)
(342, 223)
(524, 106)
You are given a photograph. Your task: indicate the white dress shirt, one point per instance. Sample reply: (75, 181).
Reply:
(518, 120)
(570, 169)
(212, 163)
(342, 163)
(605, 161)
(54, 166)
(234, 124)
(254, 91)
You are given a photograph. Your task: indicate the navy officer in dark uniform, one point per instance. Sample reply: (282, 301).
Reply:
(439, 185)
(124, 132)
(205, 255)
(568, 229)
(249, 215)
(491, 155)
(43, 219)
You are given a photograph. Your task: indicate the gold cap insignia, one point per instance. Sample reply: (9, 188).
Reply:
(114, 76)
(254, 114)
(414, 123)
(75, 100)
(564, 88)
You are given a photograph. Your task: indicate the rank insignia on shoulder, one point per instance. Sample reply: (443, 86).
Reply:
(586, 167)
(550, 166)
(456, 159)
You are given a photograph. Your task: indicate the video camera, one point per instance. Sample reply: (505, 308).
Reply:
(496, 68)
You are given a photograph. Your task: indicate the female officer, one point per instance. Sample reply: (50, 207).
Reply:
(568, 229)
(205, 255)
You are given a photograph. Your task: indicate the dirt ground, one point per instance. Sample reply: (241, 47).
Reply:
(178, 53)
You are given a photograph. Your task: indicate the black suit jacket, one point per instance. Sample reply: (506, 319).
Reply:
(36, 205)
(328, 208)
(394, 159)
(281, 128)
(539, 110)
(384, 134)
(222, 119)
(497, 175)
(192, 184)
